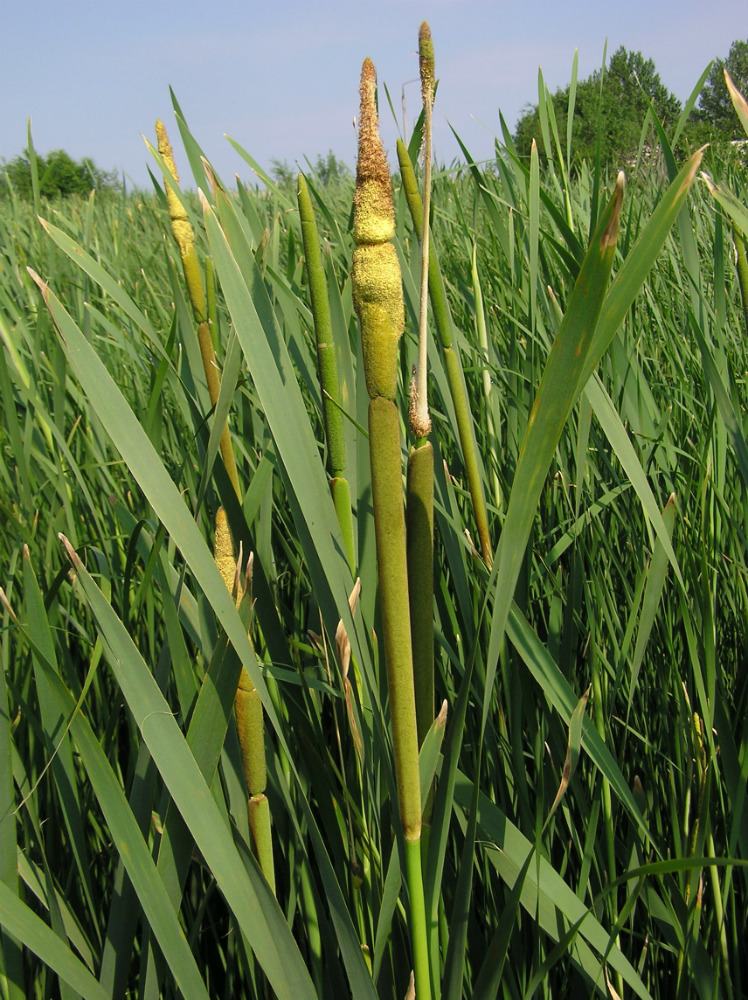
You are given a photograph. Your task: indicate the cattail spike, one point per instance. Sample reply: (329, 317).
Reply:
(183, 232)
(426, 63)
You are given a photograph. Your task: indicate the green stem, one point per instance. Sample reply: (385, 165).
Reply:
(465, 430)
(389, 526)
(742, 265)
(341, 498)
(480, 323)
(210, 292)
(607, 802)
(327, 367)
(420, 527)
(443, 323)
(419, 936)
(214, 386)
(327, 371)
(259, 822)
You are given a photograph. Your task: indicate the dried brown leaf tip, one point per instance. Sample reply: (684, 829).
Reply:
(610, 236)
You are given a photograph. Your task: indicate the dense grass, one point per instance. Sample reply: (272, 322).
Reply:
(126, 860)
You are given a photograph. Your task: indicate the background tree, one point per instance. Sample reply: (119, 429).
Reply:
(715, 107)
(59, 175)
(326, 170)
(613, 102)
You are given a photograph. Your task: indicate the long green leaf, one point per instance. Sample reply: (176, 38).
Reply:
(555, 397)
(247, 893)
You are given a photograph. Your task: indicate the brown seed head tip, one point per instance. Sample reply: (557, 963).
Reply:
(373, 219)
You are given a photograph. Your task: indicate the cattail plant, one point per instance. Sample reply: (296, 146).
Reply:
(327, 370)
(378, 300)
(184, 235)
(247, 703)
(247, 707)
(637, 891)
(452, 364)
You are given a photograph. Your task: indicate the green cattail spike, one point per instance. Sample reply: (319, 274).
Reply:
(183, 232)
(326, 362)
(327, 370)
(247, 710)
(378, 300)
(184, 235)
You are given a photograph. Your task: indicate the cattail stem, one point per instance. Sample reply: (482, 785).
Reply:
(420, 480)
(414, 875)
(420, 524)
(389, 522)
(742, 268)
(327, 370)
(378, 299)
(341, 498)
(210, 289)
(210, 367)
(480, 323)
(185, 238)
(455, 378)
(248, 712)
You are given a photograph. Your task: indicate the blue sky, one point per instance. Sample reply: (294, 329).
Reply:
(281, 78)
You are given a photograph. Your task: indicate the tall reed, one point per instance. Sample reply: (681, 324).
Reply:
(420, 476)
(378, 299)
(185, 238)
